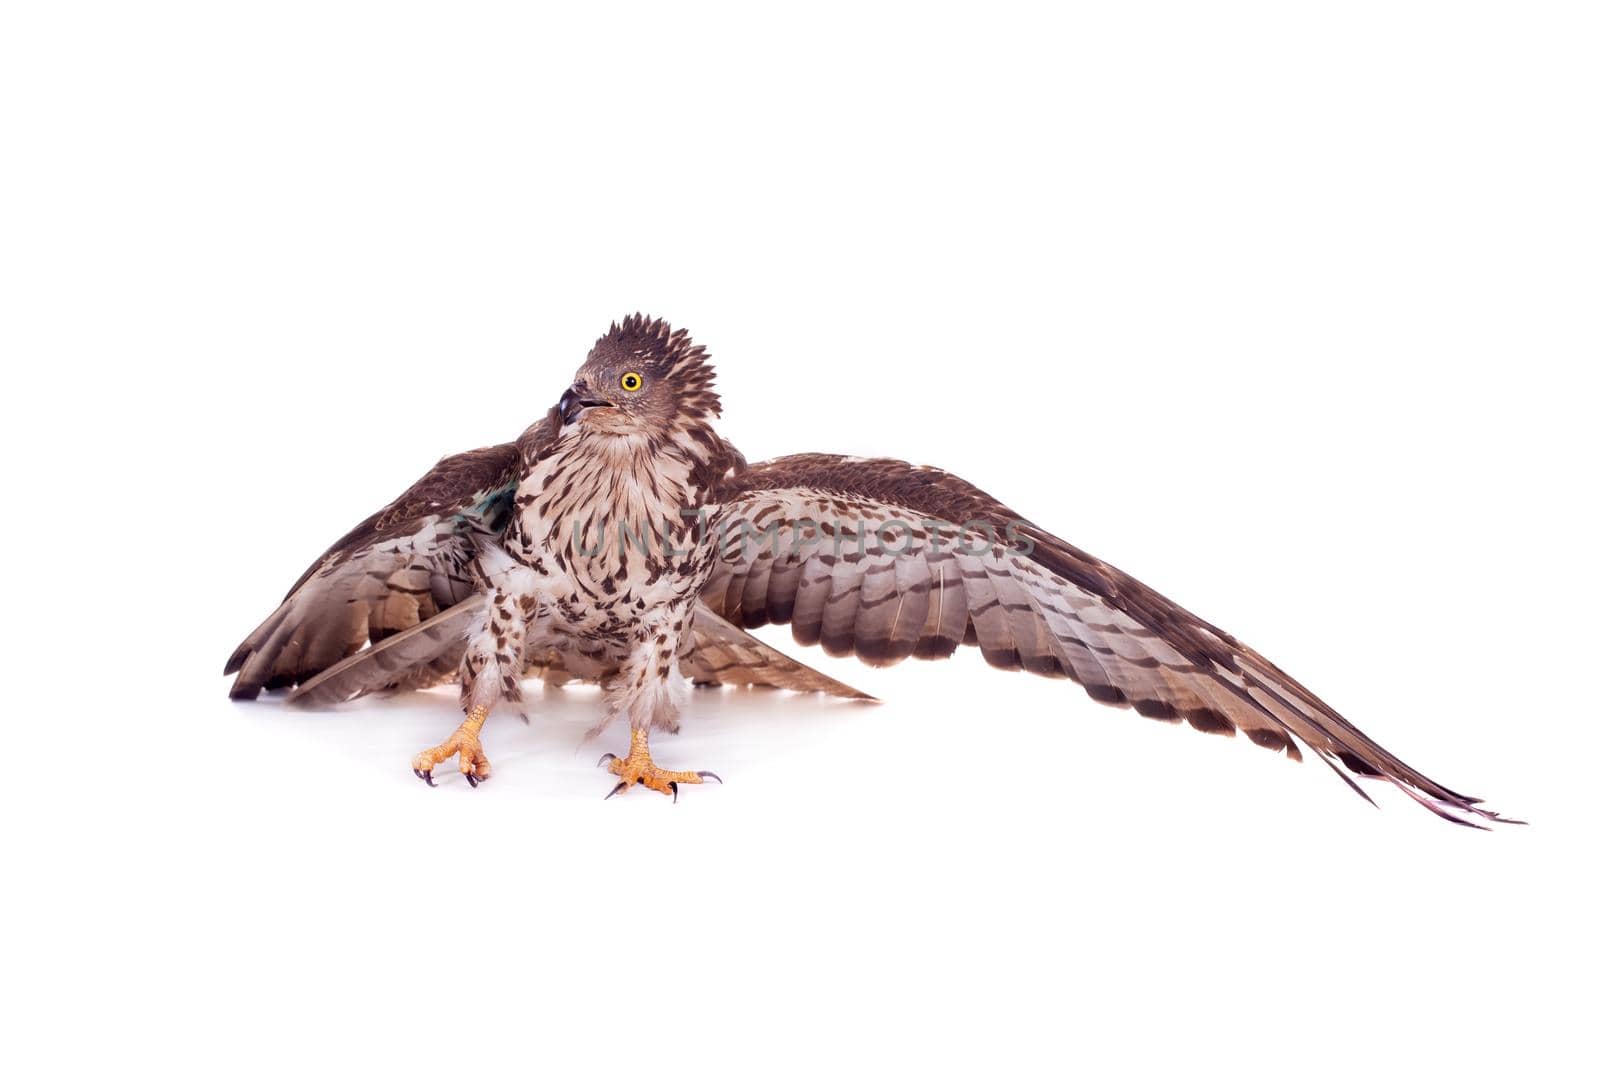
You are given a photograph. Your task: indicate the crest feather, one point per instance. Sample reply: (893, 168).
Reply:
(684, 362)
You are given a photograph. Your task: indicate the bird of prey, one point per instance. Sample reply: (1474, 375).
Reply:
(621, 540)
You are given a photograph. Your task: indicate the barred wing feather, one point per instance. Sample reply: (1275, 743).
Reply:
(884, 561)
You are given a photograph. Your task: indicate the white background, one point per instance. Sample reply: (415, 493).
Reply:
(1289, 311)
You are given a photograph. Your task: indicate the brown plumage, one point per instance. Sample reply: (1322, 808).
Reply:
(873, 558)
(399, 567)
(1031, 602)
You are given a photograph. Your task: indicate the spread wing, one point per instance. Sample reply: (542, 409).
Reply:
(884, 560)
(400, 567)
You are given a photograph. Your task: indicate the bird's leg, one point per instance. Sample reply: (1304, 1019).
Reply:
(491, 670)
(464, 741)
(645, 690)
(640, 769)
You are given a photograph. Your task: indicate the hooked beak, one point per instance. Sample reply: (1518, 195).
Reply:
(575, 399)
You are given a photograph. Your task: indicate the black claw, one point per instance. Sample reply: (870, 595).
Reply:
(708, 773)
(604, 758)
(426, 775)
(620, 786)
(674, 785)
(472, 780)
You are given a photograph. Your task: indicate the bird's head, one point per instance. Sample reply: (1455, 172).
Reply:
(642, 377)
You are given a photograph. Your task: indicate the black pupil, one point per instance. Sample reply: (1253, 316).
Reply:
(631, 381)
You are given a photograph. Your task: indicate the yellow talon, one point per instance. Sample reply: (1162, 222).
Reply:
(464, 741)
(639, 768)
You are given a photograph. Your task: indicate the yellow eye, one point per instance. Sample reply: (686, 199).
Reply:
(632, 382)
